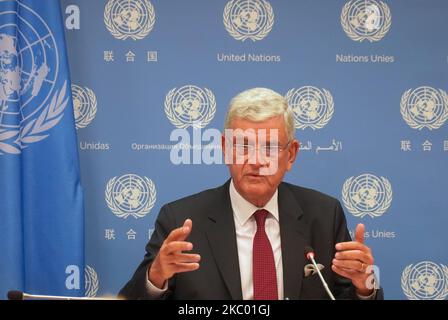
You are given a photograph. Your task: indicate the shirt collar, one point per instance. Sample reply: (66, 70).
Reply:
(243, 209)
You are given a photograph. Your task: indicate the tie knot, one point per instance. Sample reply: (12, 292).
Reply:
(260, 217)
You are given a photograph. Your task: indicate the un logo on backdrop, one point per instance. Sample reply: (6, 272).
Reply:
(367, 195)
(129, 18)
(30, 102)
(366, 19)
(424, 107)
(91, 282)
(190, 106)
(248, 19)
(84, 105)
(312, 107)
(425, 281)
(130, 195)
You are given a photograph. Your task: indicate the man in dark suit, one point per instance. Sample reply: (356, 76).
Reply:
(249, 235)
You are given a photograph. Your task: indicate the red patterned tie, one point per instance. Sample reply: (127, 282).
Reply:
(264, 274)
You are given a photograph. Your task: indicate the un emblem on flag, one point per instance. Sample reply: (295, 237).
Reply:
(367, 195)
(30, 102)
(130, 195)
(424, 107)
(248, 19)
(91, 283)
(84, 105)
(129, 18)
(366, 19)
(425, 281)
(190, 106)
(312, 107)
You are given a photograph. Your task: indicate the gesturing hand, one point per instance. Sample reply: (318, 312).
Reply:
(171, 259)
(352, 260)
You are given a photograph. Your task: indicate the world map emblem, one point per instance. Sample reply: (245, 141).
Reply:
(130, 195)
(367, 194)
(84, 105)
(30, 101)
(248, 19)
(424, 107)
(312, 107)
(425, 280)
(366, 20)
(132, 19)
(190, 106)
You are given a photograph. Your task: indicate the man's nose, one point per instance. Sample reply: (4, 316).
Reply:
(266, 165)
(259, 157)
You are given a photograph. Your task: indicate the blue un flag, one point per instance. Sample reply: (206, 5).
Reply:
(41, 200)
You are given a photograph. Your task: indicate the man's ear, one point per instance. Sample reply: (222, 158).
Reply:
(223, 147)
(223, 144)
(293, 151)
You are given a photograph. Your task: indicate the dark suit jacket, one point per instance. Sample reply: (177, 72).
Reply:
(307, 218)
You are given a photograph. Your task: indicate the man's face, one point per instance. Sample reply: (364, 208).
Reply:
(257, 174)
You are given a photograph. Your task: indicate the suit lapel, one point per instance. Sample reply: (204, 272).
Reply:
(222, 238)
(294, 239)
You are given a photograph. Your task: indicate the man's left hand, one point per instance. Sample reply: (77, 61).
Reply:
(352, 259)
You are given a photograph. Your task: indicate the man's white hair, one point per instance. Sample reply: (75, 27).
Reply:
(260, 104)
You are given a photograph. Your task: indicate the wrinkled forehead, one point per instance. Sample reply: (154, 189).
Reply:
(270, 129)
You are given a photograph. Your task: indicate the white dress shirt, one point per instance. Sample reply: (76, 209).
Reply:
(246, 227)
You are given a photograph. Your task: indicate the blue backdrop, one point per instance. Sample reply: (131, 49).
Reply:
(368, 82)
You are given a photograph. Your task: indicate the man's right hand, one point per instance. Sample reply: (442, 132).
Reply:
(171, 259)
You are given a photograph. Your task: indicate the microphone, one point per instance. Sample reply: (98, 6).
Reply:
(309, 254)
(20, 295)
